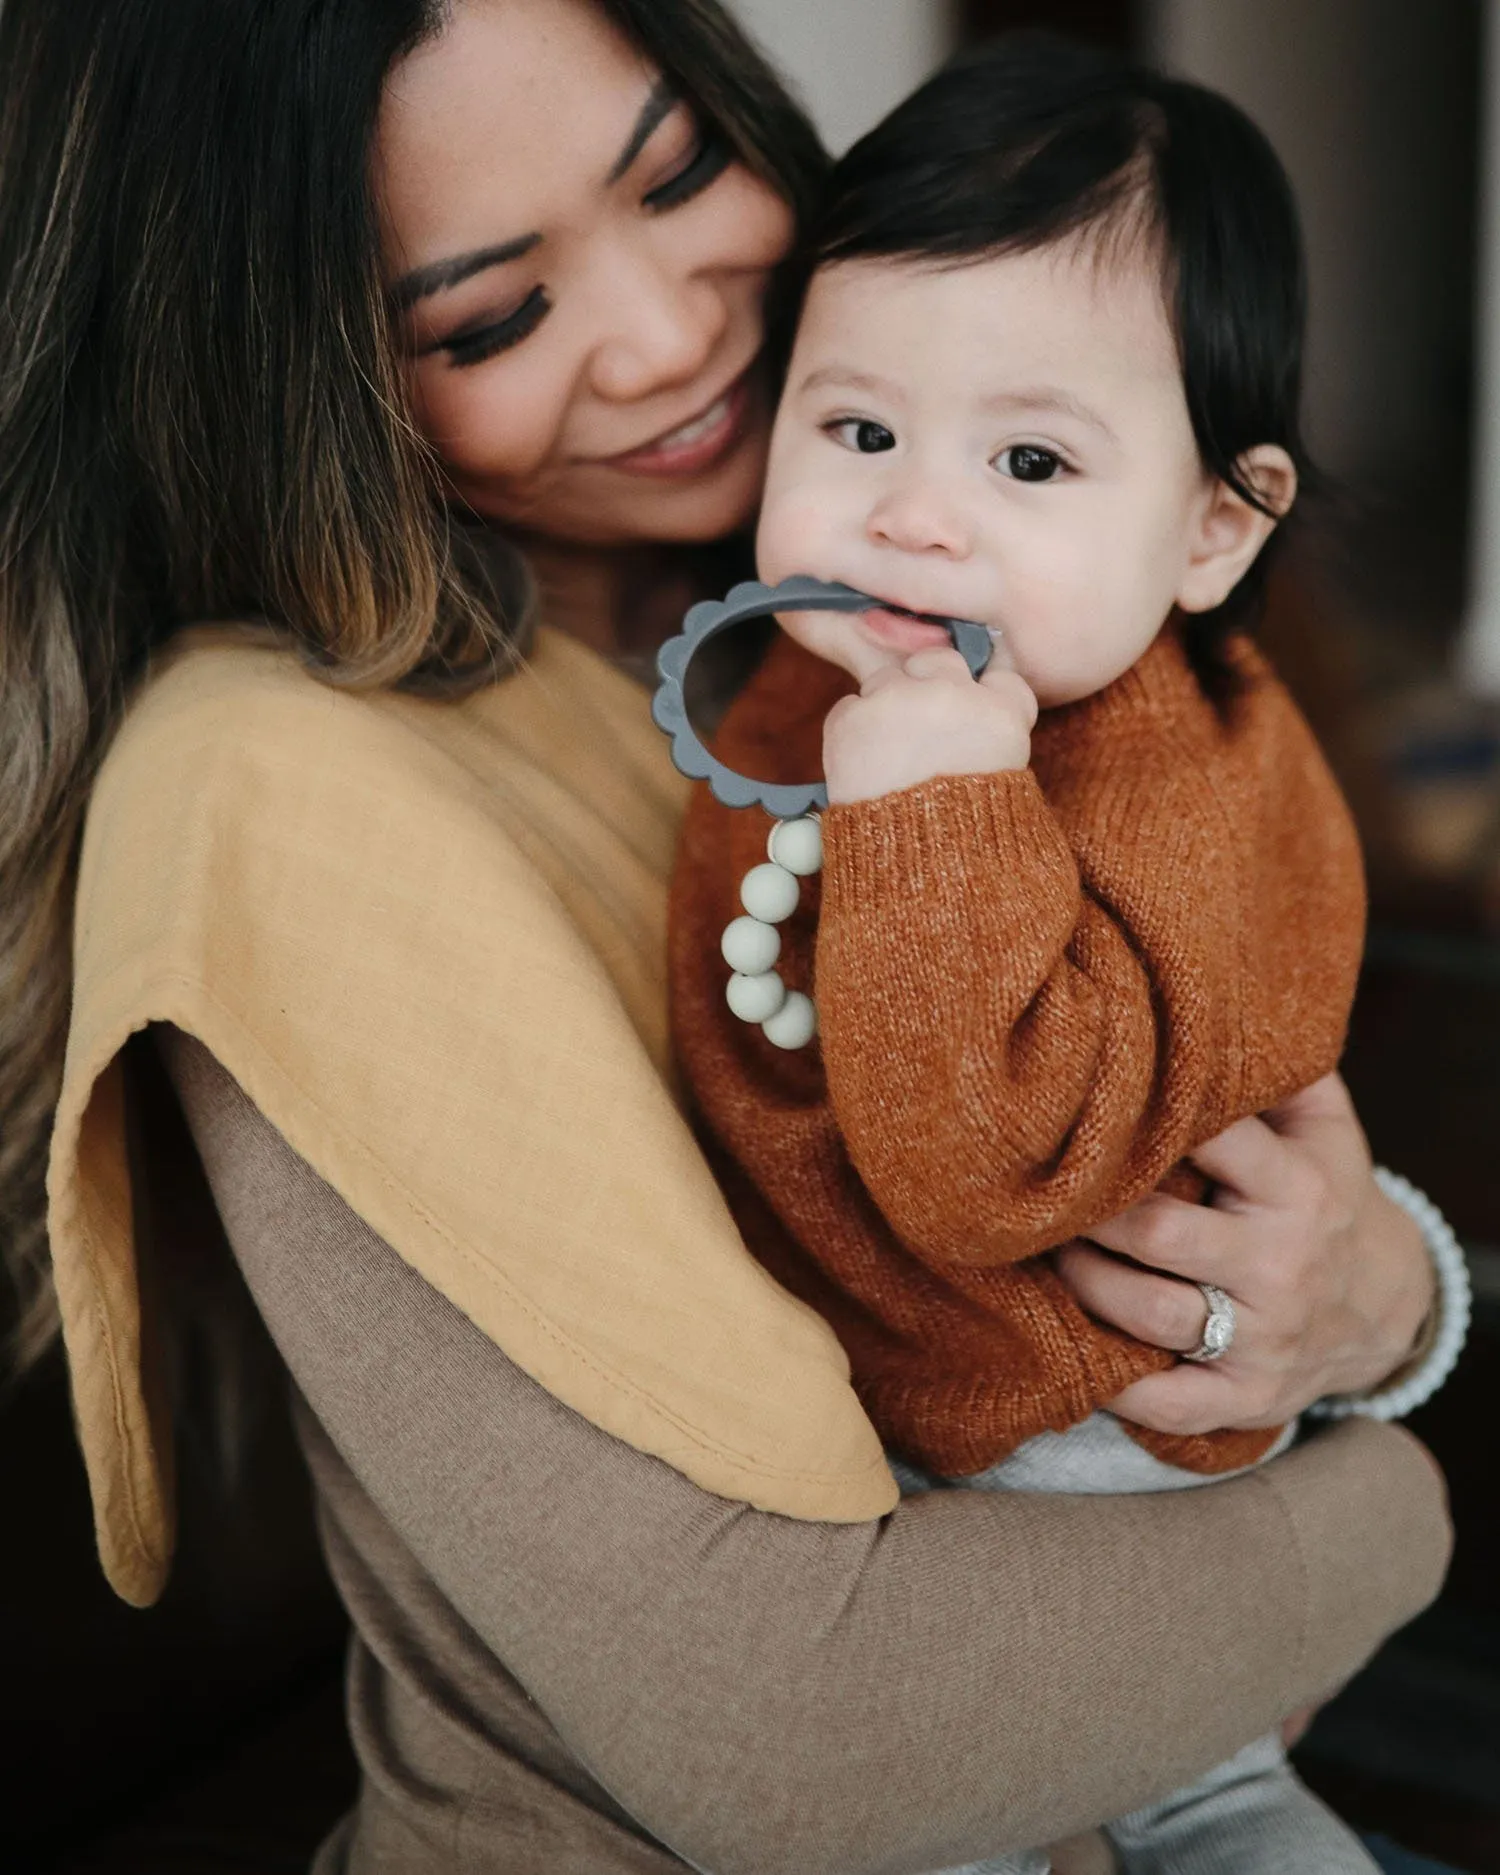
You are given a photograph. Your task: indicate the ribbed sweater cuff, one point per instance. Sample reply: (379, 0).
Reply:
(957, 835)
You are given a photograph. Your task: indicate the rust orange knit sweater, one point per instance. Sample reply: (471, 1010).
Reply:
(1037, 992)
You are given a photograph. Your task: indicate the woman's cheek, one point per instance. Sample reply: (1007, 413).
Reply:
(490, 427)
(760, 221)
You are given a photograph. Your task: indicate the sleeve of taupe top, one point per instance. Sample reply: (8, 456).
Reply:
(973, 1672)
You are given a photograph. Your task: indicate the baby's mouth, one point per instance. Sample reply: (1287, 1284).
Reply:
(904, 611)
(899, 628)
(904, 630)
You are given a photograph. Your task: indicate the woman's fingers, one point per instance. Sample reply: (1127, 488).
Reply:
(1159, 1309)
(1329, 1279)
(1249, 1161)
(1193, 1399)
(1189, 1240)
(1326, 1104)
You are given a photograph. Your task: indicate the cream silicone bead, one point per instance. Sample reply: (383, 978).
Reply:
(797, 845)
(756, 999)
(769, 892)
(750, 946)
(794, 1024)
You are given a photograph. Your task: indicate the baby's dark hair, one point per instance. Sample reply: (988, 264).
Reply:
(1031, 140)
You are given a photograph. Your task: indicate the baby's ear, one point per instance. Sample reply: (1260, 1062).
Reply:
(1231, 531)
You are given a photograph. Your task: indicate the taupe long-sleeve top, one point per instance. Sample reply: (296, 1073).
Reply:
(571, 1661)
(598, 1493)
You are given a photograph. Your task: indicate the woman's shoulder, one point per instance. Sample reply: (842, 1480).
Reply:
(218, 699)
(217, 691)
(428, 941)
(231, 745)
(254, 822)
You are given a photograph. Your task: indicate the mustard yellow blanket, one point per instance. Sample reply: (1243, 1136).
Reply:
(428, 940)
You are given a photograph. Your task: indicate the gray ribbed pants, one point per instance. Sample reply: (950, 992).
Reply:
(1248, 1816)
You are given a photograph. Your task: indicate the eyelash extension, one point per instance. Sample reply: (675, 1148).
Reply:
(707, 163)
(472, 348)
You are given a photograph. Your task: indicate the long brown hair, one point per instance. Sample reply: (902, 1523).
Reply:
(202, 414)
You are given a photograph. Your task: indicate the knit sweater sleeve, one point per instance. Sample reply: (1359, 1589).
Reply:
(1039, 991)
(992, 1032)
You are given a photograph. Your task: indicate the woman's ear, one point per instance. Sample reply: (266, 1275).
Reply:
(1231, 532)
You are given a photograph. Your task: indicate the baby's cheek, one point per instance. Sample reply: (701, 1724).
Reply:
(793, 536)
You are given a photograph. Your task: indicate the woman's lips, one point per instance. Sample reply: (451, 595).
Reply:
(699, 444)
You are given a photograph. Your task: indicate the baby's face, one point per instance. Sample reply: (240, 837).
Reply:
(1006, 441)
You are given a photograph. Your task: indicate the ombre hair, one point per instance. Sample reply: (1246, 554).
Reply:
(202, 416)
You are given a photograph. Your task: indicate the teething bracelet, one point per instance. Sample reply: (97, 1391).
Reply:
(794, 849)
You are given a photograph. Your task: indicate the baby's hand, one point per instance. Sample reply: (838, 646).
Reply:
(926, 716)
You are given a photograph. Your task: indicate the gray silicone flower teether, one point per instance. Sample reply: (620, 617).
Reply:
(753, 600)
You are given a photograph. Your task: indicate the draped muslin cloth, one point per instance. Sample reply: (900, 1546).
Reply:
(428, 939)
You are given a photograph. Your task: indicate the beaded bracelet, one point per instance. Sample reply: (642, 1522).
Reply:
(1453, 1307)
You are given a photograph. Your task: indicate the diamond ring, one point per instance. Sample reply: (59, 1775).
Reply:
(1218, 1330)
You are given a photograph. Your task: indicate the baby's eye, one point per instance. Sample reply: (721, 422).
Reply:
(1026, 462)
(862, 434)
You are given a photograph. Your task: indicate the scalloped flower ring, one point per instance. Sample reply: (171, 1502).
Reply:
(794, 850)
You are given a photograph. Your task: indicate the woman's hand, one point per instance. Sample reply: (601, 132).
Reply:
(1330, 1281)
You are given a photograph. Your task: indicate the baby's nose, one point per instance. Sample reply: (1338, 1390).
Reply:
(919, 517)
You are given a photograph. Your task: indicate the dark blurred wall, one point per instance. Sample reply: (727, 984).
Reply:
(1111, 22)
(1373, 106)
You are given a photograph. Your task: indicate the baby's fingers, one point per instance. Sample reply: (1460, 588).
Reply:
(1017, 694)
(1010, 688)
(940, 664)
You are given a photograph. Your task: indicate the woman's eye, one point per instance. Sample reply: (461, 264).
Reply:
(473, 346)
(1025, 462)
(862, 434)
(708, 159)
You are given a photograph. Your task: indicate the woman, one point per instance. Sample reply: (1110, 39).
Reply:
(329, 317)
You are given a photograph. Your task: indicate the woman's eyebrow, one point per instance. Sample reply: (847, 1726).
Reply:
(661, 101)
(440, 275)
(421, 282)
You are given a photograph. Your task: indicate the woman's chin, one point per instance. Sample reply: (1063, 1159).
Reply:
(620, 510)
(693, 510)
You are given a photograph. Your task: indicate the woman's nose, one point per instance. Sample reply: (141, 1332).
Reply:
(662, 330)
(919, 516)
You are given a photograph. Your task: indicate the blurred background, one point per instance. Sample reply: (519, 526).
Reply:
(1387, 622)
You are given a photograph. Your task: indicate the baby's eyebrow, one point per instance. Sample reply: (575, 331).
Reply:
(843, 378)
(1047, 400)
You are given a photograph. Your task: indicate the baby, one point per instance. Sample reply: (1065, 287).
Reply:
(1079, 916)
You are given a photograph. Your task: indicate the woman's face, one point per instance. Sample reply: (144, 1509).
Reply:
(581, 272)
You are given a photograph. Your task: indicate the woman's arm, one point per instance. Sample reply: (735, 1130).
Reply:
(970, 1673)
(1330, 1279)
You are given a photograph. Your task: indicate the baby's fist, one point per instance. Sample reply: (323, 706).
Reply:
(924, 717)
